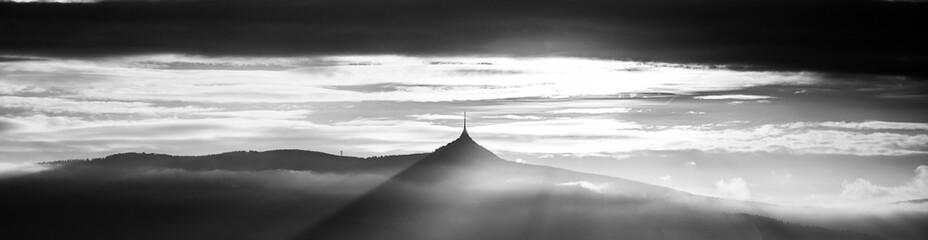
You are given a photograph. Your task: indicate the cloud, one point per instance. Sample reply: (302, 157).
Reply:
(14, 168)
(113, 103)
(25, 137)
(743, 102)
(633, 30)
(20, 88)
(862, 190)
(513, 117)
(145, 79)
(591, 110)
(597, 188)
(560, 127)
(260, 114)
(578, 136)
(735, 188)
(436, 117)
(690, 164)
(58, 105)
(874, 125)
(667, 179)
(733, 97)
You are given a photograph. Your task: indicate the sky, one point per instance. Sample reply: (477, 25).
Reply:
(769, 101)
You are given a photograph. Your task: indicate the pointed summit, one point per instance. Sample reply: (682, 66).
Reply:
(450, 160)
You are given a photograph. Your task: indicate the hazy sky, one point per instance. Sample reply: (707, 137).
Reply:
(746, 105)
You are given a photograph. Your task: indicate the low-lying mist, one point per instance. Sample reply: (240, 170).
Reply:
(396, 197)
(99, 203)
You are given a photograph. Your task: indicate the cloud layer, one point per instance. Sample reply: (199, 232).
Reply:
(735, 188)
(710, 32)
(400, 104)
(862, 190)
(649, 120)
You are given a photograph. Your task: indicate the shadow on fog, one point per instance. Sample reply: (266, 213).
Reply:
(463, 191)
(460, 191)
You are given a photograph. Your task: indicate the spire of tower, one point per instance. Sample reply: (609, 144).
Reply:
(464, 133)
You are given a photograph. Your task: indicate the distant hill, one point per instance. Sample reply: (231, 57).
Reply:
(297, 160)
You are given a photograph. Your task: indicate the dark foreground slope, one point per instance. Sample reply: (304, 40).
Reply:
(237, 195)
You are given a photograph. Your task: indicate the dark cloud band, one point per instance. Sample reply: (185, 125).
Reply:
(831, 36)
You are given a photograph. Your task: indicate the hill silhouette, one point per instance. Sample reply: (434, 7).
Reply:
(297, 160)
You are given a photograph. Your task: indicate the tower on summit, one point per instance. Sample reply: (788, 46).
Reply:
(464, 133)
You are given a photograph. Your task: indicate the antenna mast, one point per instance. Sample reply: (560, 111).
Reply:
(464, 134)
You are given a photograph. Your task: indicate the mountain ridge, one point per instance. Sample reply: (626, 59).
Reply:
(281, 159)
